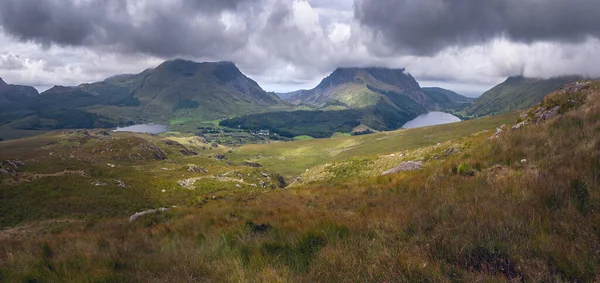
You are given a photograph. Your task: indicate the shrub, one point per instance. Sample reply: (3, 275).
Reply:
(465, 169)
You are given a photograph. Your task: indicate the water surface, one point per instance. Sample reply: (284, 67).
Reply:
(431, 119)
(144, 128)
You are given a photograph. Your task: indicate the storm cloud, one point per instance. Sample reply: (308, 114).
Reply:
(161, 28)
(291, 44)
(425, 27)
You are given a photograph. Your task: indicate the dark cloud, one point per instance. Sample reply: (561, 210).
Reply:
(424, 27)
(162, 28)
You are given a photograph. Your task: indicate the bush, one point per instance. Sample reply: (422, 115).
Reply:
(465, 169)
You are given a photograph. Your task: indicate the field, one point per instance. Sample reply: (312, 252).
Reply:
(517, 206)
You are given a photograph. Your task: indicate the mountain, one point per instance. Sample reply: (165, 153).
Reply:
(361, 87)
(13, 95)
(356, 100)
(444, 100)
(176, 89)
(348, 100)
(516, 93)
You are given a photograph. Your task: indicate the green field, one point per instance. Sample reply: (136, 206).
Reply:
(517, 206)
(292, 158)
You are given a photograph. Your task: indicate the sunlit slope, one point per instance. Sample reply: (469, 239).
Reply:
(293, 158)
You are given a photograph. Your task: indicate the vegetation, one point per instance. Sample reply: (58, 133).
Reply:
(445, 100)
(517, 204)
(516, 93)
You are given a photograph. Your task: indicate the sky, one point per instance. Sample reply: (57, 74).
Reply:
(465, 45)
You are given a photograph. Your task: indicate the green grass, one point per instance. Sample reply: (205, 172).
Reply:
(293, 158)
(506, 220)
(303, 138)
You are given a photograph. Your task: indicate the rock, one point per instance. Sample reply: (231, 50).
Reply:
(262, 184)
(220, 156)
(548, 114)
(137, 215)
(252, 164)
(187, 183)
(121, 184)
(498, 132)
(196, 169)
(404, 167)
(214, 144)
(238, 185)
(519, 125)
(265, 175)
(163, 191)
(523, 161)
(110, 165)
(98, 183)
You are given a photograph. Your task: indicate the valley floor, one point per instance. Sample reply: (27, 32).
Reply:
(487, 204)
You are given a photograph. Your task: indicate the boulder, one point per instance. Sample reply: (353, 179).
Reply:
(196, 169)
(137, 215)
(405, 167)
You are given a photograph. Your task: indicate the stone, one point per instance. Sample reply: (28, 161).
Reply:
(252, 164)
(137, 215)
(519, 125)
(98, 183)
(405, 167)
(196, 169)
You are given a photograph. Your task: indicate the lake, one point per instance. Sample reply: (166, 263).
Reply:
(431, 119)
(144, 128)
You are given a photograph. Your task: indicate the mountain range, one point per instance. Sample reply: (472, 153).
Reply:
(190, 94)
(353, 100)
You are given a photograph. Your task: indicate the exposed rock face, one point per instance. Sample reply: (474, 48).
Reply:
(10, 166)
(196, 169)
(184, 150)
(137, 215)
(405, 167)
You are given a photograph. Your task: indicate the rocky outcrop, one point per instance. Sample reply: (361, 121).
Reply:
(137, 215)
(405, 167)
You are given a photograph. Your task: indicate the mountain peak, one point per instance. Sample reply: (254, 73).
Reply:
(2, 82)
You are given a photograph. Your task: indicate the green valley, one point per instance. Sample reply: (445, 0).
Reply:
(495, 198)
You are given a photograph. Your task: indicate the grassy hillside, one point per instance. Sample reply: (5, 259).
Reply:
(518, 205)
(445, 100)
(183, 92)
(516, 93)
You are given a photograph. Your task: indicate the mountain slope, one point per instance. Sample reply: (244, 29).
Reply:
(176, 89)
(359, 88)
(354, 100)
(208, 89)
(516, 93)
(14, 96)
(375, 98)
(445, 100)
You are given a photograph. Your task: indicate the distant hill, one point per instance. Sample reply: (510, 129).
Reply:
(376, 98)
(444, 100)
(12, 96)
(516, 93)
(361, 87)
(354, 98)
(176, 89)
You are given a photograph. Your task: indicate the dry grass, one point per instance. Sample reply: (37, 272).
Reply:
(524, 221)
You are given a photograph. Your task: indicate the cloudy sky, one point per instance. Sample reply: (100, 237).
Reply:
(464, 45)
